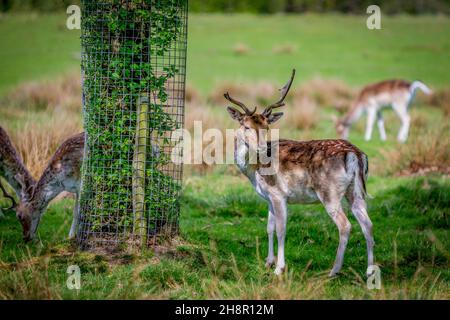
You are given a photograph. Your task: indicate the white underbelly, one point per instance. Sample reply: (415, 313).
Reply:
(304, 195)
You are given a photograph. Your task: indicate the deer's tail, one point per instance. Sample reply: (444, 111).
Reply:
(420, 85)
(358, 167)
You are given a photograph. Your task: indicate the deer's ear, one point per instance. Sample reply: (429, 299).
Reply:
(274, 117)
(235, 114)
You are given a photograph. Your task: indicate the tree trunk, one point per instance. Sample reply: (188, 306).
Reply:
(139, 166)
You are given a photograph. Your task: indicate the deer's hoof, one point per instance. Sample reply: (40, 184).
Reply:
(371, 271)
(270, 263)
(279, 271)
(333, 273)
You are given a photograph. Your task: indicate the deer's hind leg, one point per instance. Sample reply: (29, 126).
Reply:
(359, 210)
(332, 203)
(73, 227)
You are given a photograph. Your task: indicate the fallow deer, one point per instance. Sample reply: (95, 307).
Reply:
(323, 171)
(397, 94)
(11, 165)
(61, 174)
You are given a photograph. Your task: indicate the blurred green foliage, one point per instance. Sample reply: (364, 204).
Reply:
(345, 6)
(36, 5)
(264, 6)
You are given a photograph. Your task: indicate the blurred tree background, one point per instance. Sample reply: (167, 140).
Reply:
(264, 6)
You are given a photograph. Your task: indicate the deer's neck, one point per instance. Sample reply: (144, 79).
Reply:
(353, 114)
(242, 158)
(241, 154)
(46, 192)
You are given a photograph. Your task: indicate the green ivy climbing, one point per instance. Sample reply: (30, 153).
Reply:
(122, 41)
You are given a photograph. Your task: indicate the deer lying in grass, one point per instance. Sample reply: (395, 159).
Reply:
(308, 172)
(61, 174)
(11, 166)
(398, 94)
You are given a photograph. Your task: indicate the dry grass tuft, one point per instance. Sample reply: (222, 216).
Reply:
(426, 152)
(440, 99)
(418, 120)
(286, 48)
(241, 49)
(304, 114)
(203, 113)
(62, 94)
(210, 119)
(50, 112)
(328, 93)
(192, 96)
(259, 93)
(37, 142)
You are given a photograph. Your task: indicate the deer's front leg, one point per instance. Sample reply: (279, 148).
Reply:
(270, 230)
(381, 128)
(280, 213)
(371, 115)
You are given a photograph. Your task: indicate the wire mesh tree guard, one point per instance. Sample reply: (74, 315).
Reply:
(133, 67)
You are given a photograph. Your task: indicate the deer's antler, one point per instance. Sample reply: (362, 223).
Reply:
(6, 195)
(247, 111)
(284, 91)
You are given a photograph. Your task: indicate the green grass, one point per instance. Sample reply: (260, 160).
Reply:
(221, 249)
(223, 244)
(39, 46)
(35, 46)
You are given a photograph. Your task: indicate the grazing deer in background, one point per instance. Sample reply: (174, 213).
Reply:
(61, 174)
(11, 166)
(373, 98)
(308, 172)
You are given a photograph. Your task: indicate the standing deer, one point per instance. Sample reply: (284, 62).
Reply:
(11, 166)
(398, 94)
(61, 174)
(308, 172)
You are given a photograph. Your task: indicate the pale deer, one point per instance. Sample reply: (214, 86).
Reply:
(61, 174)
(397, 94)
(323, 171)
(11, 165)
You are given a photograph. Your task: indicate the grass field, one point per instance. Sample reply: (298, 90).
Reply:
(335, 46)
(222, 246)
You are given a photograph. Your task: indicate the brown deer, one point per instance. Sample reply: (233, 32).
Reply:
(307, 172)
(397, 94)
(61, 174)
(11, 166)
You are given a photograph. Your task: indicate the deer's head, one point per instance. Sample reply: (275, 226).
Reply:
(253, 125)
(26, 211)
(342, 128)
